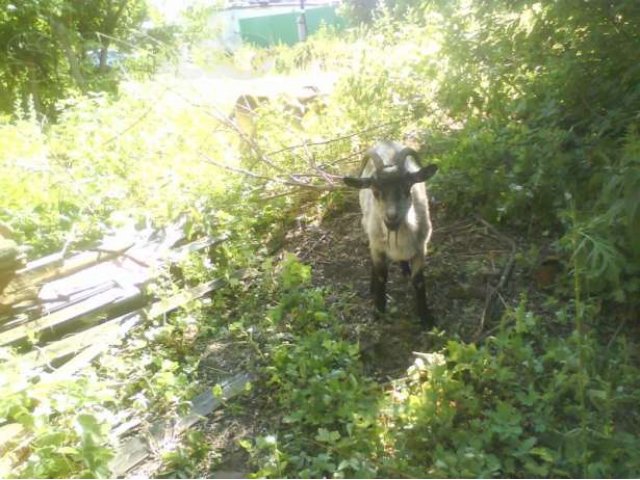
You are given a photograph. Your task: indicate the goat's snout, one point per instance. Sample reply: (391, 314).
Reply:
(393, 222)
(392, 217)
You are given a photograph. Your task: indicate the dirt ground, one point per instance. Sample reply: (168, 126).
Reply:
(468, 260)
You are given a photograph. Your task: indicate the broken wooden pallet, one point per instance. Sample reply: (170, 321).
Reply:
(119, 326)
(107, 285)
(81, 292)
(145, 246)
(108, 334)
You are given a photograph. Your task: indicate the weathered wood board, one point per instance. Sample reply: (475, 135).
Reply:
(118, 327)
(135, 450)
(107, 284)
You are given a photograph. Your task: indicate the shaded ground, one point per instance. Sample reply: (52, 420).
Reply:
(473, 272)
(467, 260)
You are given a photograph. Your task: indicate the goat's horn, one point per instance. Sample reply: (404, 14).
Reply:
(401, 156)
(376, 159)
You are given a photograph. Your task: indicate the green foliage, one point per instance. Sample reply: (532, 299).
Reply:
(359, 11)
(512, 408)
(546, 99)
(366, 11)
(68, 424)
(50, 47)
(322, 50)
(523, 104)
(529, 108)
(525, 403)
(183, 461)
(326, 408)
(83, 176)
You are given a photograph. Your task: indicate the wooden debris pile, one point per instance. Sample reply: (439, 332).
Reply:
(61, 312)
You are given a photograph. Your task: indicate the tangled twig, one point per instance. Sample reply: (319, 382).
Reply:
(493, 293)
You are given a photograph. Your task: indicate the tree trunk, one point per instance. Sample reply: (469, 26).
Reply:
(35, 93)
(108, 28)
(104, 52)
(62, 35)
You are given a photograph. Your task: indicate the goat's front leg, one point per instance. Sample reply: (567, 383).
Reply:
(379, 272)
(417, 280)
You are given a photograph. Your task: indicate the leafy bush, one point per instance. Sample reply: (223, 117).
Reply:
(522, 405)
(525, 403)
(524, 105)
(546, 99)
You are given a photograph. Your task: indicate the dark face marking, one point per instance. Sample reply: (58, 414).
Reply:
(391, 188)
(392, 192)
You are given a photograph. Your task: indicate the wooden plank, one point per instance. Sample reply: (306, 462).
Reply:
(181, 253)
(206, 402)
(58, 292)
(185, 296)
(135, 450)
(129, 272)
(121, 325)
(126, 427)
(84, 358)
(56, 265)
(77, 342)
(111, 298)
(121, 272)
(53, 300)
(26, 279)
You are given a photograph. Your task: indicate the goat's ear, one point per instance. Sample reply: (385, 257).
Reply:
(357, 182)
(425, 173)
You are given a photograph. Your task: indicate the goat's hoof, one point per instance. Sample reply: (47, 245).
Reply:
(378, 314)
(427, 321)
(406, 269)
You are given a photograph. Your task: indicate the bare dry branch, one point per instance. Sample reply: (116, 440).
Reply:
(285, 178)
(292, 180)
(335, 139)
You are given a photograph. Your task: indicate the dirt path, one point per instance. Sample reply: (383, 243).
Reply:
(466, 259)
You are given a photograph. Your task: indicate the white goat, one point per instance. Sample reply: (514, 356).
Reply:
(394, 199)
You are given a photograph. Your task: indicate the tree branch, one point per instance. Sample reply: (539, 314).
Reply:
(335, 139)
(291, 181)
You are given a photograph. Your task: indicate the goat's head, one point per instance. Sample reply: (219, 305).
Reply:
(391, 184)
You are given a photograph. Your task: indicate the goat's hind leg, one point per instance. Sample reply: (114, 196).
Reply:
(417, 280)
(406, 268)
(379, 273)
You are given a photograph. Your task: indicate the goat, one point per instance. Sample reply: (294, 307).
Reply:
(393, 199)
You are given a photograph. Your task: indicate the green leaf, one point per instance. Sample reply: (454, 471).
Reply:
(327, 436)
(67, 450)
(217, 391)
(543, 453)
